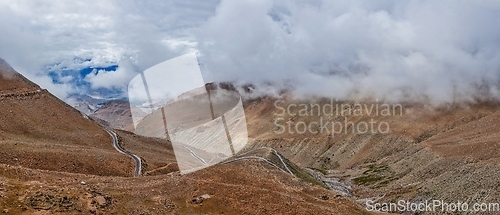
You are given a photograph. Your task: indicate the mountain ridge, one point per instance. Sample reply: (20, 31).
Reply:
(54, 159)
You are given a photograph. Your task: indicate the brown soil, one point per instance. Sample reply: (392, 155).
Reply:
(56, 161)
(39, 131)
(450, 152)
(246, 187)
(157, 155)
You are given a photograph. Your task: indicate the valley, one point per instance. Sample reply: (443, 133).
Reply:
(56, 160)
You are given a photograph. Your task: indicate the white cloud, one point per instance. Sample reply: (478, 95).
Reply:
(387, 48)
(57, 34)
(440, 50)
(113, 79)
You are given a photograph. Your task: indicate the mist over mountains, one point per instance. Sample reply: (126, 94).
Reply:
(435, 51)
(439, 51)
(5, 69)
(343, 103)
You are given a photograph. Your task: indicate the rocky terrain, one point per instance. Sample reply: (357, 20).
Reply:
(55, 160)
(116, 114)
(448, 152)
(246, 187)
(39, 131)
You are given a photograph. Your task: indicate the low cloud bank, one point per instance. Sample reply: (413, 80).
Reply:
(438, 51)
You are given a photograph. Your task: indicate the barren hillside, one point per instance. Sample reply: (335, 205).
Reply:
(446, 152)
(39, 131)
(429, 152)
(117, 114)
(54, 160)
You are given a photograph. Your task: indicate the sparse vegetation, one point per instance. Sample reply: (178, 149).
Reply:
(373, 168)
(324, 172)
(300, 173)
(424, 136)
(367, 179)
(374, 175)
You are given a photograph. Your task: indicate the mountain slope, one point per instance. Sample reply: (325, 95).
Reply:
(12, 82)
(449, 152)
(117, 114)
(37, 130)
(54, 160)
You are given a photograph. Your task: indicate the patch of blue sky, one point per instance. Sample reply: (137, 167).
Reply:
(77, 76)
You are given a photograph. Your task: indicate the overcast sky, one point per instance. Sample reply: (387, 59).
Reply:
(438, 50)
